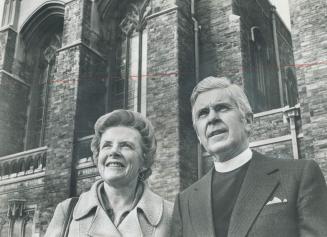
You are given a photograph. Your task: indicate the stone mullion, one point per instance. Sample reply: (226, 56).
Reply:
(62, 109)
(139, 73)
(10, 13)
(7, 48)
(126, 79)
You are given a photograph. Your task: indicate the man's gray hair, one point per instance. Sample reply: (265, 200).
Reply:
(235, 92)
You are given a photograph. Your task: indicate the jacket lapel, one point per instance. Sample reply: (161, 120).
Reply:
(102, 226)
(257, 187)
(130, 226)
(200, 207)
(150, 207)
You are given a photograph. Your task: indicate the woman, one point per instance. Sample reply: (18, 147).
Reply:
(120, 204)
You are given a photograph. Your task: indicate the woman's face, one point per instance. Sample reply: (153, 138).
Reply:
(120, 156)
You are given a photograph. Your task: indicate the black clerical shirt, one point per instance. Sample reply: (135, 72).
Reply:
(225, 189)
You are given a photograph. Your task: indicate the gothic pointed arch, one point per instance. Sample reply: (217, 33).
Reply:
(40, 38)
(44, 16)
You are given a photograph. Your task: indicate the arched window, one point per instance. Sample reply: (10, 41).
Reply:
(264, 89)
(40, 38)
(134, 29)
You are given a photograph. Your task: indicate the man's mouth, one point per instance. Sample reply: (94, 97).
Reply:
(217, 132)
(114, 164)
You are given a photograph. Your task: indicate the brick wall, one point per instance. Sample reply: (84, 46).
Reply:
(309, 40)
(269, 126)
(162, 105)
(13, 104)
(7, 48)
(13, 98)
(220, 39)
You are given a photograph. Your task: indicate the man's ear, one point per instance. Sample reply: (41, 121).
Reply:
(248, 122)
(196, 132)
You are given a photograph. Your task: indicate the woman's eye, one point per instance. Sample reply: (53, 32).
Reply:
(106, 145)
(126, 145)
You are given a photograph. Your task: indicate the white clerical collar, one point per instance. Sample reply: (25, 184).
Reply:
(234, 163)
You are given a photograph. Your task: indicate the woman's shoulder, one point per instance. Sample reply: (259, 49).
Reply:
(57, 222)
(65, 203)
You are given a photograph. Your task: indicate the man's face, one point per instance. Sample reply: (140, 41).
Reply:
(220, 126)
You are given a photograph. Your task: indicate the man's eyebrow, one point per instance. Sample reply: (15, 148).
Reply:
(223, 104)
(106, 143)
(202, 108)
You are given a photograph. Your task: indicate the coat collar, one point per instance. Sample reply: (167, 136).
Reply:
(200, 206)
(150, 204)
(258, 185)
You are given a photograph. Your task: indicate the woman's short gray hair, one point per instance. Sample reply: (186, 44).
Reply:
(130, 119)
(235, 92)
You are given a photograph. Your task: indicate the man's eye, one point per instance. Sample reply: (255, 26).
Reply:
(221, 108)
(202, 113)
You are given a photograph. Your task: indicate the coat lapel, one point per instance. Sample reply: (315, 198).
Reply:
(102, 226)
(257, 187)
(200, 207)
(130, 226)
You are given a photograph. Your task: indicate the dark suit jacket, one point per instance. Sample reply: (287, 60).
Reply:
(298, 184)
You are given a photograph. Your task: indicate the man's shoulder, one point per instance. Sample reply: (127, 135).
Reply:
(288, 165)
(203, 183)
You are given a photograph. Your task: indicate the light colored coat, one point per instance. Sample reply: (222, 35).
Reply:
(150, 217)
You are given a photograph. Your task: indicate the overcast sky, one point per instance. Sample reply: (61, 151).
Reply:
(283, 10)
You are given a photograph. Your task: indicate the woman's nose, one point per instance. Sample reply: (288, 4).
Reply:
(115, 150)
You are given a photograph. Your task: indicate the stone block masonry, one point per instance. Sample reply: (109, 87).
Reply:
(7, 48)
(309, 41)
(13, 103)
(162, 101)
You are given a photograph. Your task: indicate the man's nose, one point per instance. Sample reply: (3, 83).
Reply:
(213, 116)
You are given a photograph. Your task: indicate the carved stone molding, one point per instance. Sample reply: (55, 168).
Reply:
(50, 52)
(136, 17)
(3, 221)
(10, 13)
(16, 208)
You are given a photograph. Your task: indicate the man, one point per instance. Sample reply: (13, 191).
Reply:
(246, 193)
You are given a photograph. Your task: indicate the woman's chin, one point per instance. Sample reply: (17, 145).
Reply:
(118, 180)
